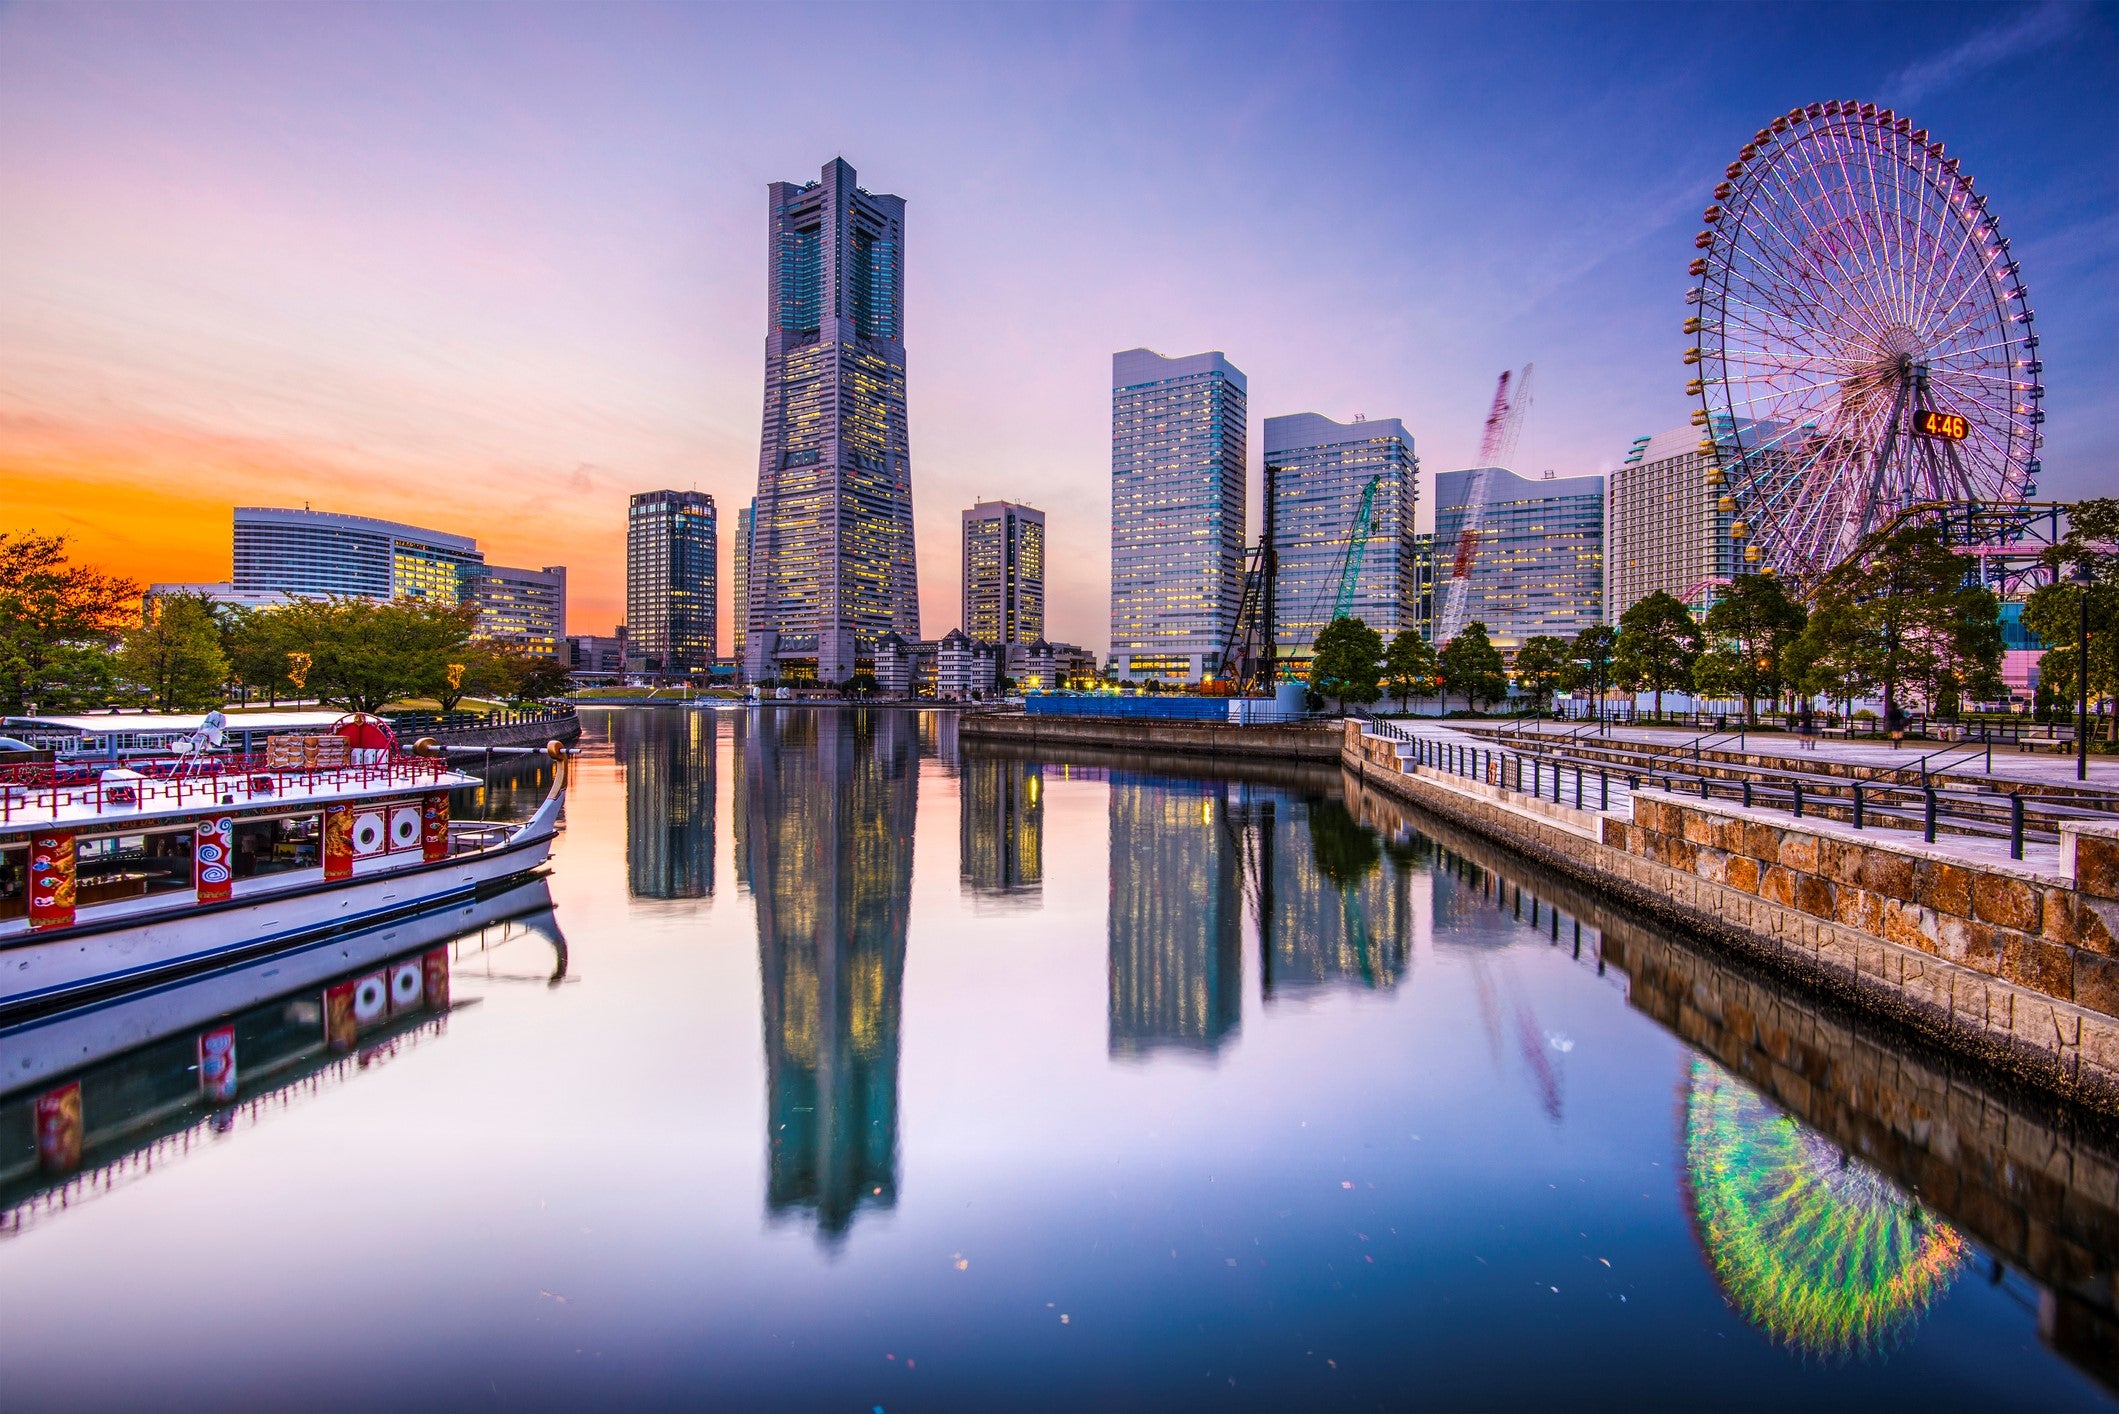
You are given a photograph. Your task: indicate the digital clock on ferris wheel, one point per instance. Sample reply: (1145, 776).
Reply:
(1944, 426)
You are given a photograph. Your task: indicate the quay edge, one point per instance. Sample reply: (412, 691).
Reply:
(1988, 959)
(1150, 736)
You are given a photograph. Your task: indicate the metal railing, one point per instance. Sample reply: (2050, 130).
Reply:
(222, 780)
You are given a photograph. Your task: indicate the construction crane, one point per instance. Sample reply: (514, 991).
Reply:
(1504, 422)
(1357, 548)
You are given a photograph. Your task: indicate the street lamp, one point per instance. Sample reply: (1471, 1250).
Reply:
(2082, 673)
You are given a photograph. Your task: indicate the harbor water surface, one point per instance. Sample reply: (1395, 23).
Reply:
(851, 1071)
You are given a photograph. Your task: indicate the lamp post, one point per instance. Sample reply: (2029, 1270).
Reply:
(2082, 673)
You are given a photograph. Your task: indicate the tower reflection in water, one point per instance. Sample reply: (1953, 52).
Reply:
(1176, 920)
(1331, 903)
(1001, 831)
(828, 800)
(668, 758)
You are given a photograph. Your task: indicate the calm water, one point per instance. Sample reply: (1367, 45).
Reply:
(839, 1069)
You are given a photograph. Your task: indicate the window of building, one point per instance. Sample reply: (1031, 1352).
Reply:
(278, 845)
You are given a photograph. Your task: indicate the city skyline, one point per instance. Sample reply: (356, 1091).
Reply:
(210, 301)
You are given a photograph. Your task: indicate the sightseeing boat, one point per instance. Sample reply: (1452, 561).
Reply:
(120, 876)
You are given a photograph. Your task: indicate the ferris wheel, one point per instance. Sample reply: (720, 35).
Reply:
(1864, 338)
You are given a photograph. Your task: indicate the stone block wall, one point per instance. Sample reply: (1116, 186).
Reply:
(1995, 917)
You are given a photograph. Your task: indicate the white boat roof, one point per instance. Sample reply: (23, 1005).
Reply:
(99, 722)
(80, 807)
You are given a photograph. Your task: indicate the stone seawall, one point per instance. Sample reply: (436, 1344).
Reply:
(1986, 958)
(1147, 736)
(531, 733)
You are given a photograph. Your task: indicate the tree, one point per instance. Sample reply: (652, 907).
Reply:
(864, 684)
(1346, 663)
(2054, 611)
(1917, 622)
(1344, 851)
(1542, 665)
(1749, 630)
(57, 622)
(174, 654)
(1659, 641)
(1595, 660)
(363, 654)
(1409, 666)
(1472, 665)
(255, 643)
(1829, 659)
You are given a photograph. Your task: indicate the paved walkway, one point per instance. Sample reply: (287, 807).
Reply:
(2043, 767)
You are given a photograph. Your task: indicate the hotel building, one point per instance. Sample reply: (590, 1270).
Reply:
(304, 553)
(1667, 524)
(525, 607)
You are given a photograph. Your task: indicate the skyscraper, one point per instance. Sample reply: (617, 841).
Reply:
(739, 566)
(1318, 474)
(832, 566)
(1178, 443)
(1667, 523)
(1004, 573)
(672, 591)
(1540, 563)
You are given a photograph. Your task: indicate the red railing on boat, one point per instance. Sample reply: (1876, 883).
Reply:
(186, 783)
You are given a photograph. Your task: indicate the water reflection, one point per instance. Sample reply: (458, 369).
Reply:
(1001, 830)
(1176, 920)
(106, 1094)
(1331, 907)
(669, 760)
(829, 800)
(1815, 1247)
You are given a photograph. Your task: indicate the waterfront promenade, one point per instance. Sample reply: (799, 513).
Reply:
(2008, 960)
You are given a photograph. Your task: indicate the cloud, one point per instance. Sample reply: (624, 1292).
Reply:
(2034, 30)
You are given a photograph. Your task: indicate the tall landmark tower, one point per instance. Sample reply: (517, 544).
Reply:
(831, 567)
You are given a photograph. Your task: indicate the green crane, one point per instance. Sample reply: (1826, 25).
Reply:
(1357, 547)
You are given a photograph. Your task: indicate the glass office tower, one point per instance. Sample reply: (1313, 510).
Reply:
(1540, 563)
(1318, 473)
(831, 567)
(1178, 443)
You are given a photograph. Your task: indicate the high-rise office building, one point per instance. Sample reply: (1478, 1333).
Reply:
(1178, 443)
(832, 566)
(302, 553)
(1004, 573)
(525, 607)
(739, 572)
(672, 594)
(1539, 568)
(1319, 475)
(1667, 524)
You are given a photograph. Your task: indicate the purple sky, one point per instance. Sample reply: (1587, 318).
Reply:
(496, 267)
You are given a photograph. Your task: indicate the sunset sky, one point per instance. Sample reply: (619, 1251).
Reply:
(493, 268)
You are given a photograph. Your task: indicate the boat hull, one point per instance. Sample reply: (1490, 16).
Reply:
(36, 975)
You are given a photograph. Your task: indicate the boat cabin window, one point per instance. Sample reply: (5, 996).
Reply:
(110, 867)
(14, 881)
(277, 845)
